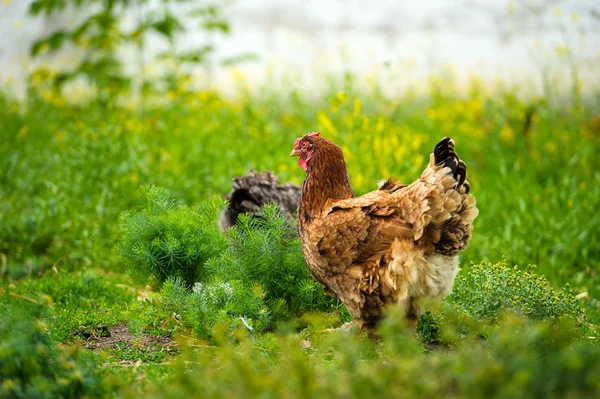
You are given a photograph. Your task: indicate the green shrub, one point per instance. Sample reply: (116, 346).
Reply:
(32, 366)
(485, 290)
(259, 281)
(428, 329)
(160, 240)
(265, 252)
(484, 293)
(230, 303)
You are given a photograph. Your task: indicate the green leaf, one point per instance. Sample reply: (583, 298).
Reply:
(221, 26)
(245, 57)
(195, 56)
(54, 42)
(167, 26)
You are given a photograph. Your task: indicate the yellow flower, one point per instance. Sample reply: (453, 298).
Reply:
(324, 121)
(59, 136)
(133, 178)
(48, 96)
(129, 125)
(418, 161)
(22, 131)
(380, 125)
(341, 97)
(475, 108)
(558, 12)
(203, 96)
(416, 142)
(358, 180)
(238, 75)
(432, 113)
(561, 49)
(507, 134)
(574, 17)
(356, 107)
(370, 80)
(459, 107)
(551, 147)
(349, 121)
(365, 123)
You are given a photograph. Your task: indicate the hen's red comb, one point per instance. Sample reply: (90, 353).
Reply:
(314, 134)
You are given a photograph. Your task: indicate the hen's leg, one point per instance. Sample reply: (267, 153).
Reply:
(412, 311)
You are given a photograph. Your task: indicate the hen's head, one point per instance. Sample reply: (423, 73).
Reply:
(326, 173)
(304, 147)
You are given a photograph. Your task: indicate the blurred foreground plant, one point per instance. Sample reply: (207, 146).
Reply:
(33, 366)
(520, 359)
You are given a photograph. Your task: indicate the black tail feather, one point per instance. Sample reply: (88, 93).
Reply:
(461, 172)
(445, 154)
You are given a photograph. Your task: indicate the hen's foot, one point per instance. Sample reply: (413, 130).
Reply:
(344, 327)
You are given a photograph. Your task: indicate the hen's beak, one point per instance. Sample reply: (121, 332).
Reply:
(294, 153)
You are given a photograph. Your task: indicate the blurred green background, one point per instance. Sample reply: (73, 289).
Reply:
(84, 249)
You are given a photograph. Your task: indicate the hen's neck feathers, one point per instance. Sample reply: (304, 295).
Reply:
(326, 179)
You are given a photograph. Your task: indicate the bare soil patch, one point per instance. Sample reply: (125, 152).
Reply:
(102, 337)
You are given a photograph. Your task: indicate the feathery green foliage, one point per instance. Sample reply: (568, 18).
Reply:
(485, 290)
(258, 281)
(264, 249)
(161, 240)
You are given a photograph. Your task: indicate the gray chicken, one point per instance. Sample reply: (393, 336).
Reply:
(251, 192)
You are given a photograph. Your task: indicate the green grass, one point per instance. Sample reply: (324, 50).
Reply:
(78, 248)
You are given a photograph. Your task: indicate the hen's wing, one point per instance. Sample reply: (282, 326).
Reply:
(435, 212)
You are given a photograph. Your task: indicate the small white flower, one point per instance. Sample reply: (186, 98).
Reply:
(197, 287)
(248, 326)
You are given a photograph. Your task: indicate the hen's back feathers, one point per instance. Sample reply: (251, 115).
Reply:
(252, 191)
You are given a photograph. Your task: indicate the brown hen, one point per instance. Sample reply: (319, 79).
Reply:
(392, 246)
